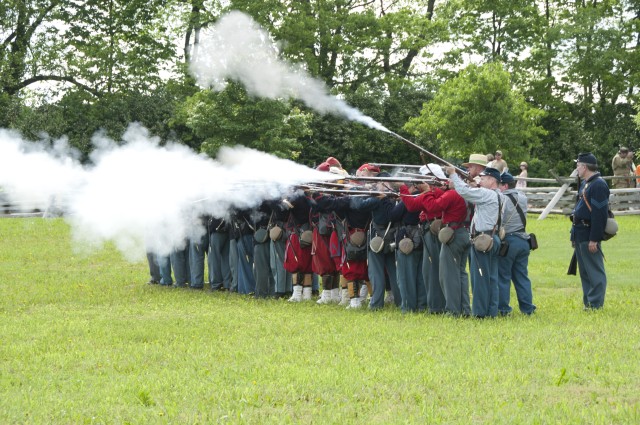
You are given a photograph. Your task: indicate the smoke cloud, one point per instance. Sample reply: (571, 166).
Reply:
(139, 194)
(238, 48)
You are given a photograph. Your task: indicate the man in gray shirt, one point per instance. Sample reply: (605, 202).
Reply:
(513, 266)
(484, 260)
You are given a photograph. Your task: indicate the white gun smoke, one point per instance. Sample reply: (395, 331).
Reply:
(138, 194)
(238, 48)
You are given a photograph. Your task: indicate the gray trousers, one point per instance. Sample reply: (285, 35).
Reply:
(219, 263)
(233, 264)
(411, 282)
(431, 272)
(378, 264)
(265, 284)
(453, 273)
(154, 268)
(281, 277)
(484, 277)
(592, 275)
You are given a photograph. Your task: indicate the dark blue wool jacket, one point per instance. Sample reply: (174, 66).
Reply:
(589, 223)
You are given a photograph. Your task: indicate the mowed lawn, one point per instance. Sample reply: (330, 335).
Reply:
(83, 339)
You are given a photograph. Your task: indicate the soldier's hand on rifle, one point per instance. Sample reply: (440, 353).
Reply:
(449, 170)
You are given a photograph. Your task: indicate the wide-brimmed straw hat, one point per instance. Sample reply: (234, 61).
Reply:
(476, 158)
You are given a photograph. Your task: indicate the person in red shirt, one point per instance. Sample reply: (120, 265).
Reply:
(455, 244)
(436, 301)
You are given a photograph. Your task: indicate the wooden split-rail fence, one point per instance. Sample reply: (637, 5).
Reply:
(561, 197)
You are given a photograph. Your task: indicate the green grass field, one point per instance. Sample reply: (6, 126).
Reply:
(85, 340)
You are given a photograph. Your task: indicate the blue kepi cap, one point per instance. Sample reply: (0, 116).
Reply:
(506, 177)
(587, 158)
(491, 172)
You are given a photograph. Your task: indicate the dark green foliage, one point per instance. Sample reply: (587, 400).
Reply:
(232, 117)
(78, 116)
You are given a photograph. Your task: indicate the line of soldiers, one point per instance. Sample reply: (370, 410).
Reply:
(383, 242)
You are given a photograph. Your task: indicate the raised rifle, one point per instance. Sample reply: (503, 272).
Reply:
(436, 158)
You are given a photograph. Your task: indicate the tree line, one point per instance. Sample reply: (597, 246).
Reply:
(540, 80)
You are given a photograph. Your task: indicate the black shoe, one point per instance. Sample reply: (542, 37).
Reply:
(196, 287)
(153, 282)
(315, 293)
(180, 285)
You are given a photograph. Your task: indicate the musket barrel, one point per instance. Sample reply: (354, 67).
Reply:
(352, 192)
(433, 156)
(398, 179)
(379, 164)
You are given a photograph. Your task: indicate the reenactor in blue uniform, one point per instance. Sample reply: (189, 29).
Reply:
(484, 234)
(589, 220)
(381, 256)
(514, 265)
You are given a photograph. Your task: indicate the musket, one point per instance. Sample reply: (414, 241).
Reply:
(420, 176)
(329, 184)
(436, 158)
(378, 164)
(398, 179)
(404, 173)
(349, 192)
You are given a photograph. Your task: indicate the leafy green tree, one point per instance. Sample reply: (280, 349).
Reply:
(347, 43)
(103, 60)
(478, 112)
(78, 116)
(497, 30)
(232, 117)
(98, 46)
(600, 65)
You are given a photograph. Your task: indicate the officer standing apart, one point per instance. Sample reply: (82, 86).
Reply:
(589, 220)
(484, 261)
(515, 264)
